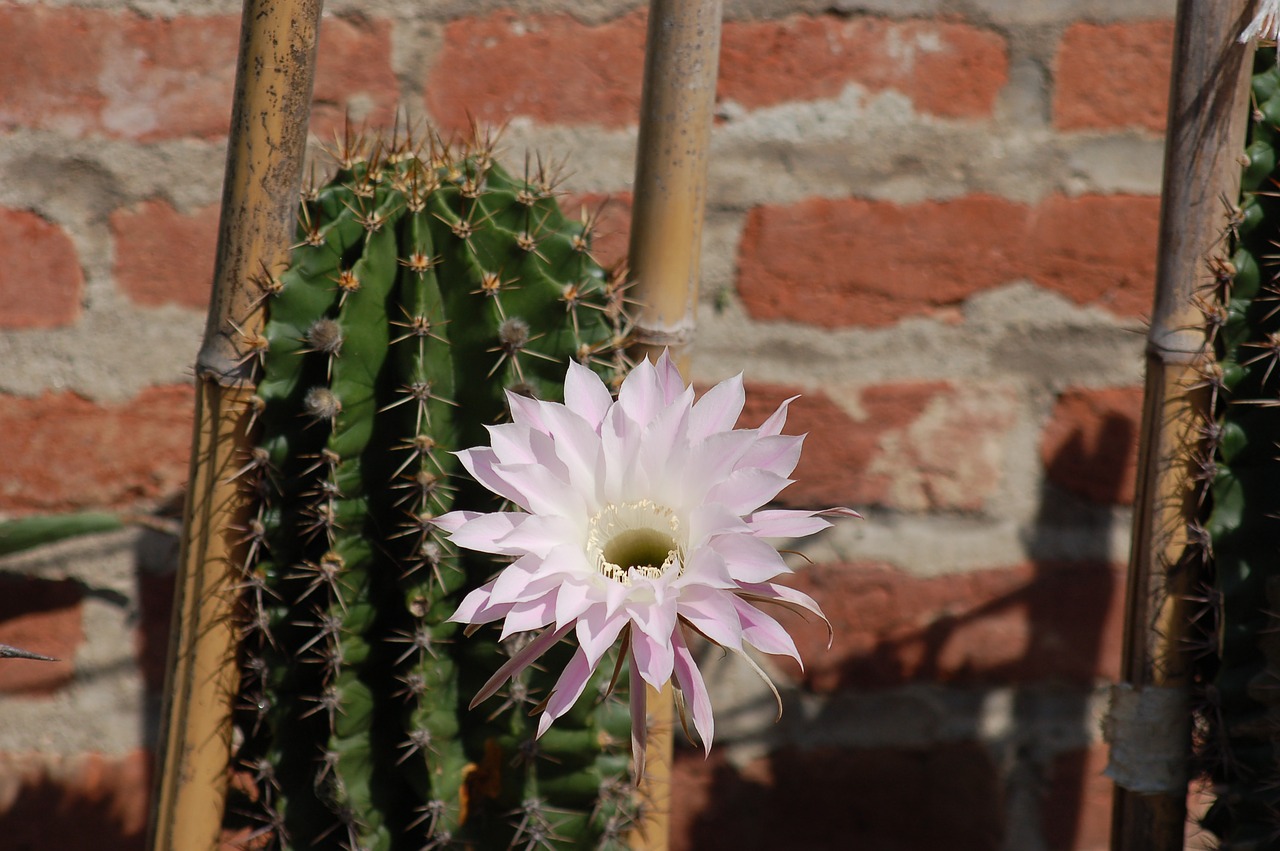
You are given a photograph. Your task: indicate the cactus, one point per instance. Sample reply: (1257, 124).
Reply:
(1239, 657)
(426, 283)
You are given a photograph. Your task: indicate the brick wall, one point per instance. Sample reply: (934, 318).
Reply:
(935, 220)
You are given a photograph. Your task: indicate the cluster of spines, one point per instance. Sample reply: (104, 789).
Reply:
(1235, 543)
(425, 284)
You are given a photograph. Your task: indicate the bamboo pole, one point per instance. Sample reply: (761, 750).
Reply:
(274, 76)
(1208, 99)
(677, 103)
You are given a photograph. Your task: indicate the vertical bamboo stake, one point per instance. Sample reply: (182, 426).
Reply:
(681, 63)
(274, 77)
(1207, 105)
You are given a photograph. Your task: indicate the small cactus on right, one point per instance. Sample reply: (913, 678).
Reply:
(1238, 483)
(429, 289)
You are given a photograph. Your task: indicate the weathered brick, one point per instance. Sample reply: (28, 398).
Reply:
(40, 276)
(1090, 444)
(1075, 806)
(354, 75)
(163, 256)
(1095, 249)
(64, 452)
(551, 68)
(947, 69)
(912, 446)
(832, 799)
(847, 262)
(125, 75)
(42, 616)
(99, 72)
(1113, 76)
(84, 801)
(1041, 621)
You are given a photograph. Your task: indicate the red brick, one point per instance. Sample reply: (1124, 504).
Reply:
(1075, 807)
(354, 73)
(912, 446)
(42, 616)
(98, 72)
(1042, 621)
(1090, 445)
(40, 276)
(163, 256)
(846, 262)
(84, 801)
(64, 452)
(88, 72)
(1113, 76)
(551, 68)
(947, 69)
(1095, 249)
(832, 799)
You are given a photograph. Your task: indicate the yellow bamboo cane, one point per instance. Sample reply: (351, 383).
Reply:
(1206, 131)
(274, 77)
(681, 63)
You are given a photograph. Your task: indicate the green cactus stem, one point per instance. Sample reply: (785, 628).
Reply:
(1240, 657)
(426, 283)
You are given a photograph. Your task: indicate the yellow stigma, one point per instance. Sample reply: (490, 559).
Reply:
(639, 538)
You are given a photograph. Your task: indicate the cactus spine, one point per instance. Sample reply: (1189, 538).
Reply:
(426, 282)
(1239, 660)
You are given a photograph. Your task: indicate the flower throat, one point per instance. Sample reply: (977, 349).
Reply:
(631, 539)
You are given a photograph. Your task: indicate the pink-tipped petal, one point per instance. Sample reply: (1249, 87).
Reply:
(764, 633)
(529, 615)
(786, 523)
(778, 454)
(712, 612)
(654, 658)
(573, 599)
(596, 632)
(746, 490)
(524, 410)
(749, 559)
(586, 394)
(517, 663)
(568, 688)
(472, 604)
(669, 379)
(454, 520)
(639, 719)
(641, 396)
(718, 409)
(777, 419)
(691, 683)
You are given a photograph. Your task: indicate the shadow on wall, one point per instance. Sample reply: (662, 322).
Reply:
(98, 798)
(958, 713)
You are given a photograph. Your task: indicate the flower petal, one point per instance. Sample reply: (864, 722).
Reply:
(764, 633)
(586, 394)
(517, 663)
(743, 491)
(718, 409)
(568, 688)
(748, 559)
(597, 631)
(529, 615)
(777, 419)
(641, 395)
(691, 683)
(639, 718)
(654, 657)
(669, 379)
(713, 613)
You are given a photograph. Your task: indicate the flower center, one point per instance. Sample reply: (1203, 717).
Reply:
(630, 539)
